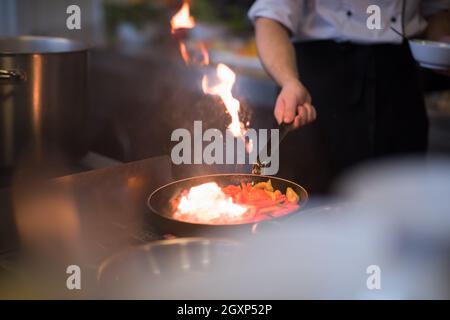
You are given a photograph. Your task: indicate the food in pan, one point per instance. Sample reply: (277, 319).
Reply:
(233, 204)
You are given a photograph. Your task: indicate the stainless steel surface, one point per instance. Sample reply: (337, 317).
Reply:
(154, 266)
(110, 203)
(111, 208)
(108, 213)
(39, 45)
(12, 75)
(43, 98)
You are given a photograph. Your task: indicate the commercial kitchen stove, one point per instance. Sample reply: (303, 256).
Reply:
(110, 204)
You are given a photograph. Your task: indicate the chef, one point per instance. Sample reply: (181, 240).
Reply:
(333, 60)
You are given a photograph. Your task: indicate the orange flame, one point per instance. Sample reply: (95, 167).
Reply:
(227, 78)
(207, 202)
(184, 53)
(202, 58)
(182, 19)
(205, 55)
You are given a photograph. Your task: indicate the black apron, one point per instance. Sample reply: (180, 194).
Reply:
(369, 104)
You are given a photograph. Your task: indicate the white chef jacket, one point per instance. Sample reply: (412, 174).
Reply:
(346, 20)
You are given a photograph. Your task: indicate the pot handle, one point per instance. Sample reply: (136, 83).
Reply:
(12, 76)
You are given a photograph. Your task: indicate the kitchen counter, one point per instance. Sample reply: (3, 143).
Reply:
(110, 205)
(79, 219)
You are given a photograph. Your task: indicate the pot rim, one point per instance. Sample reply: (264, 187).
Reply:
(62, 45)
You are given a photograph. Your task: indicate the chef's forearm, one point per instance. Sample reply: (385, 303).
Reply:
(438, 26)
(276, 50)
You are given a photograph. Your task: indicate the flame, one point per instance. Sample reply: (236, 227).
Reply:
(184, 53)
(207, 202)
(182, 19)
(204, 53)
(202, 58)
(227, 78)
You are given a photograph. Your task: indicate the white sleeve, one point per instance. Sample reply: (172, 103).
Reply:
(430, 7)
(286, 12)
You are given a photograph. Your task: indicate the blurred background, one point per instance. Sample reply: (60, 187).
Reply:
(138, 86)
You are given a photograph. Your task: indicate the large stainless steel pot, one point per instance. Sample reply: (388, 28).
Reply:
(43, 98)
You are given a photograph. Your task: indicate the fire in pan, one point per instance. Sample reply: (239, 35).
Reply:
(223, 203)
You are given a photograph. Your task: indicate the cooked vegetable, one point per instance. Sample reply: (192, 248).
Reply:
(262, 198)
(257, 202)
(265, 185)
(291, 195)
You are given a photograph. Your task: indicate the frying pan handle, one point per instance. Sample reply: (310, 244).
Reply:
(283, 129)
(14, 76)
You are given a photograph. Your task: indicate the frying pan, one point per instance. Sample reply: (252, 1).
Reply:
(160, 201)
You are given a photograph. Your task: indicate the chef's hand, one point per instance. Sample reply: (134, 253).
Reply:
(294, 105)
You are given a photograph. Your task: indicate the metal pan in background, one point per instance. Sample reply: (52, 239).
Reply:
(153, 271)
